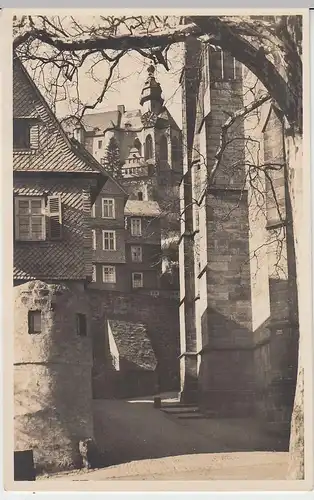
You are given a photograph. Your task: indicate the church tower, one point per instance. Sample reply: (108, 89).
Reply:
(151, 99)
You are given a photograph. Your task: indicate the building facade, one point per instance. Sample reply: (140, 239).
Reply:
(143, 244)
(148, 143)
(53, 190)
(108, 239)
(237, 358)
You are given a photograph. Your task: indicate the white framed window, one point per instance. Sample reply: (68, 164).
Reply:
(136, 254)
(94, 276)
(136, 227)
(108, 208)
(30, 223)
(93, 211)
(109, 240)
(94, 238)
(108, 274)
(137, 280)
(99, 144)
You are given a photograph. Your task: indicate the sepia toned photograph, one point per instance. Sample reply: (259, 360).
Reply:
(161, 247)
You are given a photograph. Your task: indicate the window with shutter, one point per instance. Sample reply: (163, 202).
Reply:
(54, 217)
(29, 218)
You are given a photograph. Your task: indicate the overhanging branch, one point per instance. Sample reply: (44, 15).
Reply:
(240, 113)
(110, 42)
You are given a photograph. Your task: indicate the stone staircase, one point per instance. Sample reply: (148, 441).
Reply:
(184, 411)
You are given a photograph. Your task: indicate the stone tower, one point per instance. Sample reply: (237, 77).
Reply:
(52, 373)
(151, 99)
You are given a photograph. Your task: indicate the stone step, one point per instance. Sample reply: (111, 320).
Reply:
(178, 405)
(179, 411)
(194, 416)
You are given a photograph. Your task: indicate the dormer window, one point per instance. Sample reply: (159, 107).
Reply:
(21, 134)
(128, 125)
(25, 134)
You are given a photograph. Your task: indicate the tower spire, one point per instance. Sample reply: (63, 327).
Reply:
(151, 94)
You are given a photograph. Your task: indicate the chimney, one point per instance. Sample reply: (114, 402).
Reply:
(78, 134)
(121, 108)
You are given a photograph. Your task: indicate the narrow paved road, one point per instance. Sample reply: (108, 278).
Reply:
(134, 430)
(204, 467)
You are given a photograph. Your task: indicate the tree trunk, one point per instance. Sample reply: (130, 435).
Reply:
(296, 171)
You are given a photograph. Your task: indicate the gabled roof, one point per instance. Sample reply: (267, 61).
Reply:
(98, 122)
(133, 344)
(142, 208)
(56, 152)
(133, 117)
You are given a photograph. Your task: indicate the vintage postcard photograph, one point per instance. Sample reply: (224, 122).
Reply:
(157, 194)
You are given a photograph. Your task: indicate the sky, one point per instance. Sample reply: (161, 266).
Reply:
(128, 83)
(129, 76)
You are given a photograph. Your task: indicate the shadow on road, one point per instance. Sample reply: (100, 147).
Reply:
(134, 430)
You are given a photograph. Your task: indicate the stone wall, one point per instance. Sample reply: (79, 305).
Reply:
(52, 374)
(161, 318)
(273, 274)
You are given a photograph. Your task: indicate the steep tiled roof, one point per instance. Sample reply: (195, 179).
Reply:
(165, 115)
(133, 117)
(142, 208)
(133, 344)
(100, 121)
(56, 153)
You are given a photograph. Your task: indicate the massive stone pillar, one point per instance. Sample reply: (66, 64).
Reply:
(52, 372)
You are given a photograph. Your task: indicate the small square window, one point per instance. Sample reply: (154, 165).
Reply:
(81, 325)
(34, 322)
(109, 274)
(137, 280)
(136, 254)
